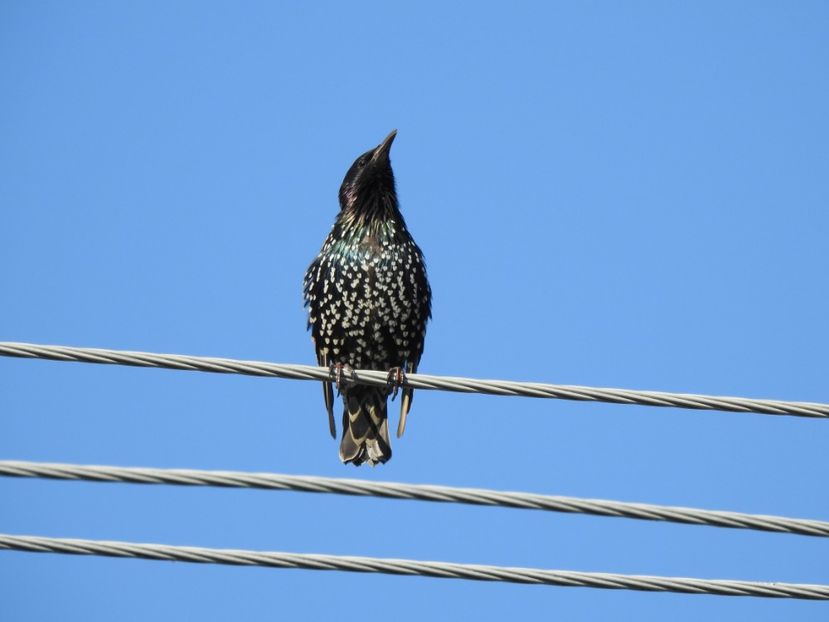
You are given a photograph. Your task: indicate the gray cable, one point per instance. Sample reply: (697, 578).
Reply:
(442, 570)
(417, 381)
(473, 496)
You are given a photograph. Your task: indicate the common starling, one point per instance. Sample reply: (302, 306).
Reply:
(368, 303)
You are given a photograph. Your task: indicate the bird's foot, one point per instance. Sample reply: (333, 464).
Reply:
(337, 375)
(396, 379)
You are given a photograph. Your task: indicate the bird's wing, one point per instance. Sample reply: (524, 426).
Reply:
(412, 364)
(328, 394)
(313, 292)
(406, 401)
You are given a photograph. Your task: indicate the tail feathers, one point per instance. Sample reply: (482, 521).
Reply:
(365, 427)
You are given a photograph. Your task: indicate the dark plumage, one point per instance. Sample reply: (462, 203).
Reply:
(368, 303)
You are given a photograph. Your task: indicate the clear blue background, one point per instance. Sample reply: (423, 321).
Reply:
(630, 195)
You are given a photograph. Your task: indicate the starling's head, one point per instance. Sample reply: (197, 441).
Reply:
(369, 183)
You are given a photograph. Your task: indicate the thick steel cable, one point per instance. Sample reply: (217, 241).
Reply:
(441, 570)
(421, 492)
(417, 381)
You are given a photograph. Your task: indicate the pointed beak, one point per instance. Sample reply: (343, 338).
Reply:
(381, 152)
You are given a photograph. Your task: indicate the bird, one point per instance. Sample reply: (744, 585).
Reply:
(369, 300)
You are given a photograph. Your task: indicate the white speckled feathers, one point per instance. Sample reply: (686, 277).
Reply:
(368, 306)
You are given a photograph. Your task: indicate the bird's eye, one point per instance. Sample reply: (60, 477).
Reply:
(362, 161)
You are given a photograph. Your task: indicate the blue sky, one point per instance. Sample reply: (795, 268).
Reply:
(628, 195)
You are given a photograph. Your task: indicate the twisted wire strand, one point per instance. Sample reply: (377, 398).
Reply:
(420, 492)
(442, 570)
(417, 381)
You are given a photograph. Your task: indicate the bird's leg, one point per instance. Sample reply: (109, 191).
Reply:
(337, 374)
(396, 379)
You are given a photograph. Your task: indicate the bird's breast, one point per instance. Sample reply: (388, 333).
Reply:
(371, 310)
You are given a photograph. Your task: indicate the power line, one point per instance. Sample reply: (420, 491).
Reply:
(421, 492)
(417, 381)
(442, 570)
